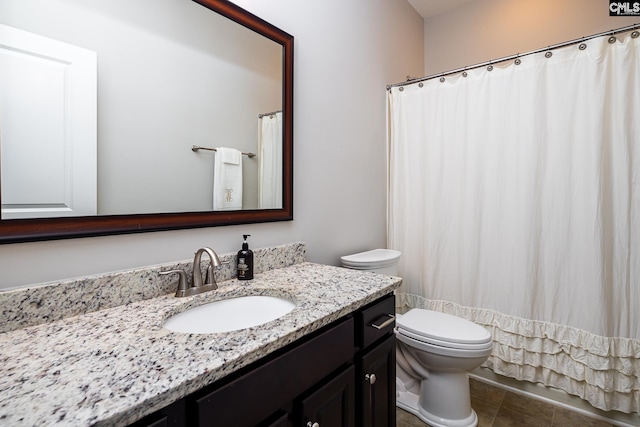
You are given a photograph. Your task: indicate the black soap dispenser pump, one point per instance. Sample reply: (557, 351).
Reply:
(245, 261)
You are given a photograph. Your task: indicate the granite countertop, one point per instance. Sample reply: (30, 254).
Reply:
(114, 366)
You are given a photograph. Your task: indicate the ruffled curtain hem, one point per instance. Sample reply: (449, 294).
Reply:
(603, 371)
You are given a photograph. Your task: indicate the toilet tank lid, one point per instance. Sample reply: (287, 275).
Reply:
(442, 326)
(379, 257)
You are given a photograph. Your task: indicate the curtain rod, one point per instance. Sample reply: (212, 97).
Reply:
(269, 114)
(195, 148)
(519, 55)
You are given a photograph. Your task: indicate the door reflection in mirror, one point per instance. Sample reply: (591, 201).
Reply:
(48, 103)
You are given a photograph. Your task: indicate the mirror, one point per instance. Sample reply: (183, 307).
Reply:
(148, 177)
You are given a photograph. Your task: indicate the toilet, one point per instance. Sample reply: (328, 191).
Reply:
(434, 353)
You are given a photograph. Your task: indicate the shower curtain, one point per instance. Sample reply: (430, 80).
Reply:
(270, 166)
(514, 197)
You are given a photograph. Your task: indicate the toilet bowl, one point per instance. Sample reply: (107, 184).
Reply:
(434, 353)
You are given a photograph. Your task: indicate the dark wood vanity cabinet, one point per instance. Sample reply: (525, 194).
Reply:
(340, 376)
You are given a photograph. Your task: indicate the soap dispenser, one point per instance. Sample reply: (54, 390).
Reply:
(245, 261)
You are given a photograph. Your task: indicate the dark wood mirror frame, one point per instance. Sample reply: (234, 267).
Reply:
(29, 230)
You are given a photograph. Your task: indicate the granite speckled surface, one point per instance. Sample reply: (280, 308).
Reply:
(113, 366)
(54, 301)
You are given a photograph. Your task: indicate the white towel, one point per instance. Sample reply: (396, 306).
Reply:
(227, 179)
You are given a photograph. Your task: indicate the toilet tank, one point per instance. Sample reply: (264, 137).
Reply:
(383, 261)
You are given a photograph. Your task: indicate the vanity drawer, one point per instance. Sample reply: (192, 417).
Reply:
(377, 321)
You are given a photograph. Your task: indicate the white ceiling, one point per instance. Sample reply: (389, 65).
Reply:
(428, 8)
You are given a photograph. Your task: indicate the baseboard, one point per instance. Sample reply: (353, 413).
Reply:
(555, 397)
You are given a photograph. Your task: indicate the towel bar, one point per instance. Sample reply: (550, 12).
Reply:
(195, 148)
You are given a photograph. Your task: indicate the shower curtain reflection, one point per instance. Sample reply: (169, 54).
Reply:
(270, 167)
(514, 196)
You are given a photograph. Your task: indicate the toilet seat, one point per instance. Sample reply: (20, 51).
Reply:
(443, 330)
(444, 350)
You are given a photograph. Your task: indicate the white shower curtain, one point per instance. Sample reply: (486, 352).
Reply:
(514, 196)
(270, 166)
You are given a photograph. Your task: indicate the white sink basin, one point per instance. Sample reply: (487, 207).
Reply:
(229, 315)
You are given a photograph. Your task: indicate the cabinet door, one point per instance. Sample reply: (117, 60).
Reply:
(333, 405)
(378, 381)
(280, 420)
(173, 415)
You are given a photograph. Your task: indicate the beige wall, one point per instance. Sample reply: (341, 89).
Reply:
(488, 29)
(345, 54)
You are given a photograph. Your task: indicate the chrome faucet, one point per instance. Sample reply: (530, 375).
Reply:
(197, 286)
(197, 273)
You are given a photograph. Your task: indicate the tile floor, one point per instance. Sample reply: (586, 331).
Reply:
(497, 407)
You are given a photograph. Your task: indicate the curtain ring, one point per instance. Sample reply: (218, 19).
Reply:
(612, 39)
(442, 79)
(490, 67)
(464, 74)
(517, 61)
(549, 54)
(400, 88)
(635, 34)
(583, 45)
(420, 84)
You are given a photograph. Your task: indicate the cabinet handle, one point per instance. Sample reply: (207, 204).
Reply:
(371, 378)
(310, 424)
(386, 323)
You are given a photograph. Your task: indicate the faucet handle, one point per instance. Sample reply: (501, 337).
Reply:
(210, 279)
(182, 278)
